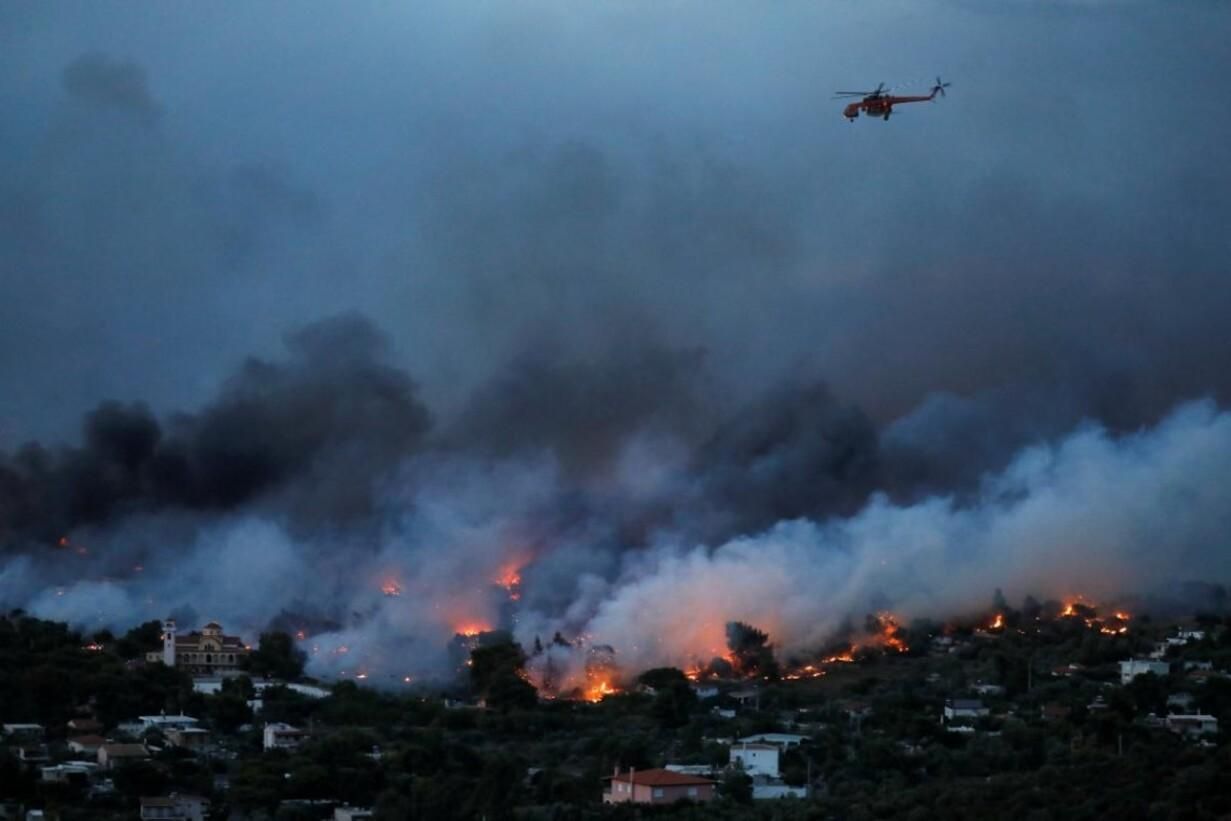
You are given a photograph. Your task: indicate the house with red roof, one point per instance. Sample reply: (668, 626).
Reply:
(657, 787)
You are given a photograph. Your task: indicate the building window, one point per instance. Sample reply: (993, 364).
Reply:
(658, 792)
(692, 792)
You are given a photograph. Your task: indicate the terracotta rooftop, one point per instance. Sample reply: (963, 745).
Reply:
(661, 778)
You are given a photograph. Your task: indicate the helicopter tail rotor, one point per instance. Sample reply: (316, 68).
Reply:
(940, 87)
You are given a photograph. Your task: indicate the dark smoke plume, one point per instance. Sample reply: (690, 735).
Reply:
(331, 419)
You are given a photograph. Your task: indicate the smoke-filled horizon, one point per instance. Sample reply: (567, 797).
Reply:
(317, 493)
(295, 307)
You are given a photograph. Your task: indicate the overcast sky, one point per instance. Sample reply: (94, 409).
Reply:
(181, 185)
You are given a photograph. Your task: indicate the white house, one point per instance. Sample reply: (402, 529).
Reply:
(705, 691)
(755, 759)
(24, 732)
(964, 708)
(1132, 668)
(63, 772)
(162, 722)
(278, 736)
(780, 740)
(1192, 725)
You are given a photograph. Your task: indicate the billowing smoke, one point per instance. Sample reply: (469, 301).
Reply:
(320, 426)
(314, 493)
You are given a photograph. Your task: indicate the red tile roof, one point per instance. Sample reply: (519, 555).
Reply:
(661, 778)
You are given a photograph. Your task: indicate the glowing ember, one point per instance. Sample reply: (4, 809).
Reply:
(1122, 616)
(471, 630)
(997, 623)
(63, 541)
(93, 648)
(300, 635)
(807, 671)
(391, 588)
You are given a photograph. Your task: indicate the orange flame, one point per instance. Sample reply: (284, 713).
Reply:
(391, 588)
(598, 691)
(510, 580)
(997, 623)
(471, 629)
(890, 632)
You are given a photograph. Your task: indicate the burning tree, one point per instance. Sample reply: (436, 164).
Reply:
(751, 652)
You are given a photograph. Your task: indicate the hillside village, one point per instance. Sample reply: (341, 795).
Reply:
(1016, 713)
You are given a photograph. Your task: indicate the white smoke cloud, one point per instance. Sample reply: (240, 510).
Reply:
(1091, 515)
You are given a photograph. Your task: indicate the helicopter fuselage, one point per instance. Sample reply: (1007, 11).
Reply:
(880, 105)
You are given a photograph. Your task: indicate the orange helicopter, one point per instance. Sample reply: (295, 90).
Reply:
(880, 103)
